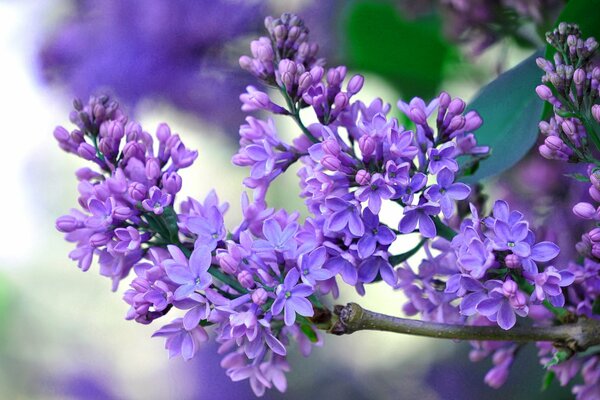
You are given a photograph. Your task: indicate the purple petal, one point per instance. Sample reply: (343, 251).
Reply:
(366, 246)
(426, 226)
(178, 273)
(271, 230)
(193, 317)
(200, 260)
(302, 306)
(489, 306)
(506, 316)
(544, 251)
(409, 221)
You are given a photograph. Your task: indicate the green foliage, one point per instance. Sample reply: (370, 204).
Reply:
(410, 54)
(511, 112)
(548, 379)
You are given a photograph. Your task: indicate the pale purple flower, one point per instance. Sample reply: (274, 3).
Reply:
(277, 239)
(376, 191)
(128, 239)
(210, 228)
(157, 200)
(442, 157)
(446, 192)
(512, 237)
(375, 233)
(419, 215)
(417, 111)
(344, 214)
(504, 302)
(369, 268)
(548, 285)
(181, 341)
(191, 275)
(292, 298)
(311, 266)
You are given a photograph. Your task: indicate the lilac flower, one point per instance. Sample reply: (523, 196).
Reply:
(311, 266)
(375, 233)
(344, 214)
(157, 200)
(476, 258)
(445, 192)
(291, 298)
(102, 213)
(369, 268)
(407, 193)
(129, 239)
(548, 285)
(442, 157)
(419, 215)
(209, 228)
(277, 239)
(191, 275)
(181, 341)
(540, 252)
(512, 238)
(417, 110)
(376, 191)
(504, 301)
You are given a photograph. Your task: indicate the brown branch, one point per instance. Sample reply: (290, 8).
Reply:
(576, 336)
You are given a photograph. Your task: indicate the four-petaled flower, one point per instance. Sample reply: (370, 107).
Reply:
(192, 275)
(292, 298)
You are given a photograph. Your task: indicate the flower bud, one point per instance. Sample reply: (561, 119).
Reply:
(152, 168)
(245, 279)
(138, 191)
(456, 106)
(61, 134)
(122, 213)
(86, 151)
(579, 76)
(259, 296)
(594, 193)
(304, 82)
(362, 177)
(171, 182)
(99, 239)
(332, 147)
(544, 92)
(509, 288)
(594, 235)
(331, 163)
(367, 145)
(512, 261)
(67, 223)
(340, 101)
(584, 210)
(596, 112)
(163, 132)
(355, 84)
(418, 116)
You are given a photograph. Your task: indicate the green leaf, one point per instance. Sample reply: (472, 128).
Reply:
(578, 177)
(309, 332)
(596, 306)
(410, 54)
(560, 356)
(548, 379)
(511, 111)
(400, 258)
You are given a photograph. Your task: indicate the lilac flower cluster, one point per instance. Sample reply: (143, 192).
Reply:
(123, 204)
(571, 85)
(261, 286)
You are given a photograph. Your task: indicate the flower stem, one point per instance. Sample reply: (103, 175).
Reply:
(577, 336)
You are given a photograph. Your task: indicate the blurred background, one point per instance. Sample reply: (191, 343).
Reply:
(62, 332)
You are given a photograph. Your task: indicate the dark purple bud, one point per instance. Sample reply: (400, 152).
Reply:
(584, 210)
(367, 145)
(245, 279)
(331, 163)
(171, 182)
(304, 82)
(163, 132)
(363, 177)
(122, 213)
(86, 151)
(259, 296)
(99, 239)
(554, 143)
(418, 116)
(594, 193)
(457, 106)
(579, 76)
(509, 288)
(594, 235)
(472, 121)
(61, 134)
(568, 128)
(317, 73)
(341, 101)
(138, 191)
(67, 223)
(512, 261)
(457, 122)
(355, 84)
(596, 112)
(444, 100)
(331, 147)
(153, 168)
(544, 92)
